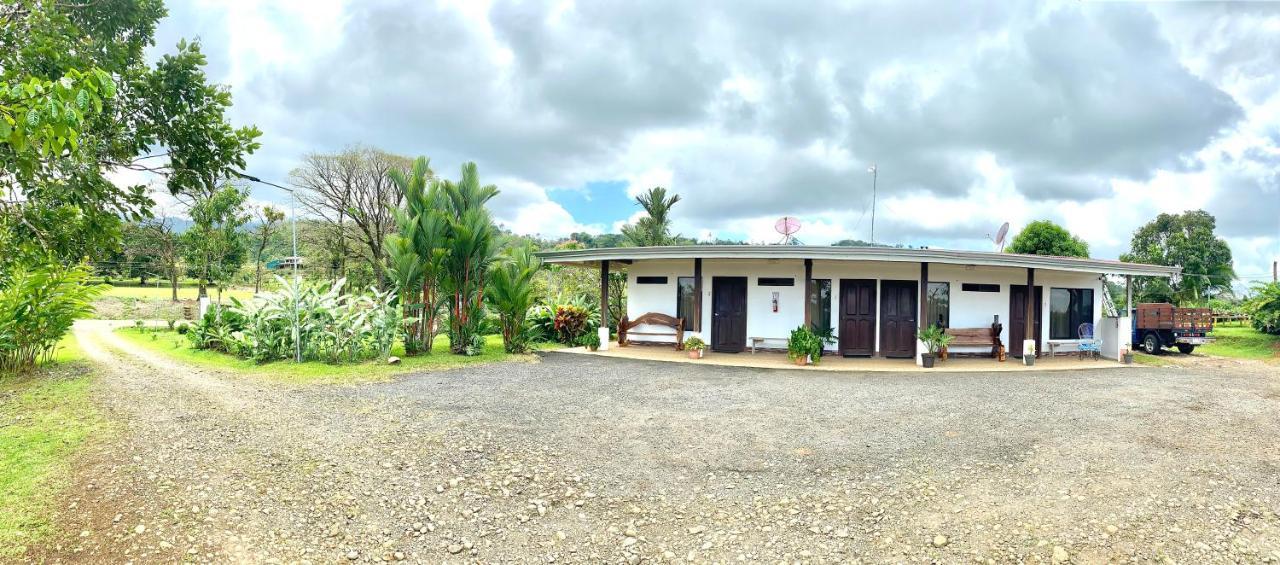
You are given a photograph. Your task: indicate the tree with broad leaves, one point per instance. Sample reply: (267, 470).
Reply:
(1043, 237)
(269, 219)
(1184, 240)
(79, 100)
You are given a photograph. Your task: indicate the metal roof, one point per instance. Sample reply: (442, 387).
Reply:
(834, 253)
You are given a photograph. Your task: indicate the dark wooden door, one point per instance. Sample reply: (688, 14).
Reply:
(898, 318)
(1018, 317)
(728, 314)
(857, 317)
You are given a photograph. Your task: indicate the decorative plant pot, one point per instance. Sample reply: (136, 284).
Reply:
(926, 359)
(593, 348)
(1028, 359)
(802, 361)
(1127, 358)
(695, 354)
(943, 354)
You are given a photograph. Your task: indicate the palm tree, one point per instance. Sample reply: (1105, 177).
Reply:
(510, 292)
(469, 249)
(415, 251)
(654, 229)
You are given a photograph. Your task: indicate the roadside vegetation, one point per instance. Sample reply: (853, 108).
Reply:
(177, 347)
(46, 417)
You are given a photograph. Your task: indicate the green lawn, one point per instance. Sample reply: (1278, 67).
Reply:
(165, 293)
(1242, 342)
(177, 347)
(45, 417)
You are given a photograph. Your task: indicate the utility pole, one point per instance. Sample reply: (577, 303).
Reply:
(1275, 271)
(875, 173)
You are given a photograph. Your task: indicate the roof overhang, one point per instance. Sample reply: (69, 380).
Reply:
(592, 257)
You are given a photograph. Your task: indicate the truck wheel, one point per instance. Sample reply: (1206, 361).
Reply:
(1151, 343)
(1186, 348)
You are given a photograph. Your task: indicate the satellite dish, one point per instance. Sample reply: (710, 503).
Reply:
(787, 226)
(1000, 235)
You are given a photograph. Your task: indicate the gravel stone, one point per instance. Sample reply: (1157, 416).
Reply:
(571, 458)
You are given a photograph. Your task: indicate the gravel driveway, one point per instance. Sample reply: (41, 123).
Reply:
(579, 459)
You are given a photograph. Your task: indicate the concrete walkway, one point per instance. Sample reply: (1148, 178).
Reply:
(776, 360)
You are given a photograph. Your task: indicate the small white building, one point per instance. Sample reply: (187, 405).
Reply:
(738, 297)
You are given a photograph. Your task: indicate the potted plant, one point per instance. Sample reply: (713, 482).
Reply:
(591, 340)
(1126, 356)
(804, 347)
(695, 346)
(934, 339)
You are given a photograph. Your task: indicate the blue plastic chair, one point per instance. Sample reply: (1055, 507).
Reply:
(1088, 345)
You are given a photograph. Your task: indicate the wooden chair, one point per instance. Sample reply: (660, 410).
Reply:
(625, 326)
(976, 337)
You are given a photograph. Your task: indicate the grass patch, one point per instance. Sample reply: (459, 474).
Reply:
(177, 347)
(45, 417)
(165, 293)
(1149, 360)
(1242, 342)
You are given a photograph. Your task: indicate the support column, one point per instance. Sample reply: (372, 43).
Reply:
(1031, 307)
(924, 296)
(697, 295)
(1128, 295)
(604, 294)
(808, 293)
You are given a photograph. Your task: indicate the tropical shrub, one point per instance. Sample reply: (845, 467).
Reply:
(935, 338)
(1264, 308)
(570, 323)
(38, 304)
(590, 340)
(511, 295)
(318, 321)
(804, 343)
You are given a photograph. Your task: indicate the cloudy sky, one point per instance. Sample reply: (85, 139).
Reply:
(1097, 116)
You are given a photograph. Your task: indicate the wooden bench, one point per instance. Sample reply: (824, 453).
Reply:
(977, 337)
(652, 319)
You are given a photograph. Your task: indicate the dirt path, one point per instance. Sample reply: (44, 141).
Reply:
(584, 459)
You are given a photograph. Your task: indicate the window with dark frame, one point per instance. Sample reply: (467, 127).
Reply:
(938, 310)
(651, 280)
(776, 281)
(820, 303)
(684, 301)
(1068, 308)
(979, 287)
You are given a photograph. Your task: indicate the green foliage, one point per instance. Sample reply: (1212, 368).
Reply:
(1184, 240)
(38, 304)
(415, 253)
(935, 338)
(329, 326)
(804, 343)
(213, 245)
(511, 295)
(78, 99)
(1043, 237)
(469, 251)
(590, 340)
(694, 343)
(1264, 308)
(570, 323)
(655, 228)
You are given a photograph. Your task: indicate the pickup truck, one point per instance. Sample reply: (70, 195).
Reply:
(1159, 325)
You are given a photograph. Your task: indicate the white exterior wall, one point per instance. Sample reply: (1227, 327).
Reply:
(968, 309)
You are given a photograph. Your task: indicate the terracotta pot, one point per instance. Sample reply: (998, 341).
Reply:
(802, 361)
(695, 354)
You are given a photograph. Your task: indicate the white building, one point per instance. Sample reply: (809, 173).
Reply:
(736, 297)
